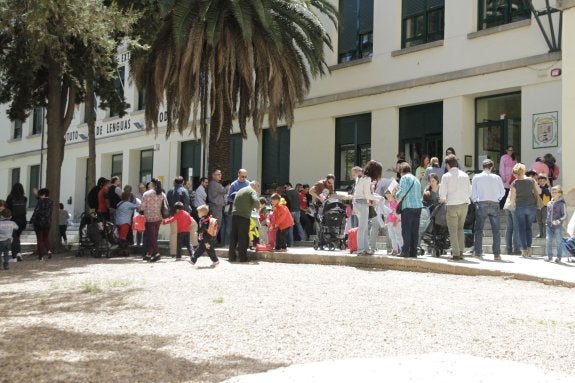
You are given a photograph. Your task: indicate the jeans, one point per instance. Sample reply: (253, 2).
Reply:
(183, 240)
(240, 238)
(16, 248)
(282, 238)
(455, 220)
(373, 232)
(410, 231)
(553, 235)
(487, 210)
(202, 248)
(4, 250)
(541, 216)
(296, 226)
(226, 229)
(525, 216)
(511, 232)
(361, 210)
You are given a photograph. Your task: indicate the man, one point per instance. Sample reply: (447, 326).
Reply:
(486, 191)
(292, 199)
(103, 203)
(246, 199)
(455, 190)
(305, 219)
(317, 190)
(114, 195)
(201, 192)
(178, 194)
(235, 187)
(410, 194)
(217, 198)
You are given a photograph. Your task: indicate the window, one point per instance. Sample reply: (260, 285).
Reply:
(356, 30)
(17, 130)
(117, 162)
(34, 183)
(146, 165)
(352, 145)
(120, 76)
(141, 99)
(37, 120)
(275, 157)
(498, 12)
(191, 160)
(15, 177)
(422, 22)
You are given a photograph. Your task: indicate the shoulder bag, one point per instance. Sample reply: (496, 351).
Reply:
(399, 208)
(165, 210)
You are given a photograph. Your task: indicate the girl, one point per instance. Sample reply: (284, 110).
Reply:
(506, 164)
(545, 195)
(283, 221)
(393, 223)
(556, 214)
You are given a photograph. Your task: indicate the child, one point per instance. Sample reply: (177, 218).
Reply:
(263, 217)
(283, 221)
(124, 213)
(42, 220)
(184, 220)
(556, 214)
(63, 224)
(546, 197)
(205, 240)
(7, 227)
(393, 223)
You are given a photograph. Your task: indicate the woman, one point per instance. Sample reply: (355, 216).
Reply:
(17, 203)
(431, 193)
(420, 171)
(506, 164)
(434, 167)
(41, 220)
(449, 151)
(362, 196)
(523, 196)
(152, 202)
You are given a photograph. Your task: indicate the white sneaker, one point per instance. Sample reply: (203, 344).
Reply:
(214, 264)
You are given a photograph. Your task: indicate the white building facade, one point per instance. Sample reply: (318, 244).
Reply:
(413, 76)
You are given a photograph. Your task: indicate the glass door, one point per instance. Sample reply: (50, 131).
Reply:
(491, 141)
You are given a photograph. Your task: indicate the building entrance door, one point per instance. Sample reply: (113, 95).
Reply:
(491, 142)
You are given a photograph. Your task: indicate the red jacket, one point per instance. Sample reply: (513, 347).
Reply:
(282, 217)
(183, 219)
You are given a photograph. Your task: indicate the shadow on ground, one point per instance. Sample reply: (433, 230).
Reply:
(44, 354)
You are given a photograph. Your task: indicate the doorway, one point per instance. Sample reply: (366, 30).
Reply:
(421, 132)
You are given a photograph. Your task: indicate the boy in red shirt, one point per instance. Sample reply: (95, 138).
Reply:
(206, 241)
(282, 222)
(184, 220)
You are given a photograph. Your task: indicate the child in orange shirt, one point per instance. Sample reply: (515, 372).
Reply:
(184, 220)
(283, 221)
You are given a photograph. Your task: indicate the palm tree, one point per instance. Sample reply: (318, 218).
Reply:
(227, 59)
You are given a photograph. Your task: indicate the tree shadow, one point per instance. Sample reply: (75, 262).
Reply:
(45, 354)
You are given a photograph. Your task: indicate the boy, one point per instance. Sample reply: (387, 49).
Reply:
(63, 223)
(7, 227)
(206, 241)
(184, 220)
(545, 195)
(556, 214)
(283, 221)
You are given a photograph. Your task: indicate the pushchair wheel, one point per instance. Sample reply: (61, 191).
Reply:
(342, 245)
(331, 247)
(315, 244)
(436, 252)
(421, 251)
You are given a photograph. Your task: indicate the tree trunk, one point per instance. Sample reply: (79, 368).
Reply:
(91, 118)
(219, 148)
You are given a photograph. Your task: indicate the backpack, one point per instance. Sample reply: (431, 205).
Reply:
(213, 227)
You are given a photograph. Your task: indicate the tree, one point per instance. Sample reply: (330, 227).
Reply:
(49, 50)
(226, 59)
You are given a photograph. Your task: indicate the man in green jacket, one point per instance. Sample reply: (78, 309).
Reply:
(246, 200)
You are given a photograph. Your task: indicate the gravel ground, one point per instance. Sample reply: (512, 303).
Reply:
(121, 320)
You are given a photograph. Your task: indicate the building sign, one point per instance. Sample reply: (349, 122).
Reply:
(103, 130)
(545, 130)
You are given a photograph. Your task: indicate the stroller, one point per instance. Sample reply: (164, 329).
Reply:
(436, 235)
(97, 238)
(330, 228)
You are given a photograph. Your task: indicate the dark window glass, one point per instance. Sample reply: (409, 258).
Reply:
(141, 99)
(17, 130)
(34, 183)
(15, 177)
(120, 77)
(117, 163)
(275, 158)
(355, 39)
(422, 22)
(191, 159)
(498, 12)
(146, 165)
(352, 145)
(37, 120)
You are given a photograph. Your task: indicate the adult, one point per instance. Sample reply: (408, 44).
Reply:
(434, 167)
(217, 199)
(523, 197)
(245, 200)
(114, 195)
(546, 165)
(410, 195)
(17, 202)
(41, 221)
(151, 205)
(292, 200)
(455, 190)
(364, 195)
(92, 197)
(487, 190)
(323, 189)
(450, 151)
(356, 173)
(420, 171)
(304, 203)
(201, 197)
(378, 222)
(103, 203)
(506, 164)
(431, 193)
(178, 193)
(240, 183)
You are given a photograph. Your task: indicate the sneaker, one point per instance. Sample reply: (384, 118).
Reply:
(548, 259)
(193, 260)
(19, 257)
(214, 264)
(146, 258)
(156, 258)
(557, 260)
(394, 253)
(477, 255)
(497, 258)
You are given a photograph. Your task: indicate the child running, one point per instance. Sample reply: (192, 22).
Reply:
(206, 240)
(283, 221)
(7, 227)
(556, 214)
(184, 220)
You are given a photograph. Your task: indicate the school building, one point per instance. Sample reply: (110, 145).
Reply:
(415, 76)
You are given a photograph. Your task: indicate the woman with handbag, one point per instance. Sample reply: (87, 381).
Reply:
(524, 195)
(153, 203)
(362, 195)
(410, 205)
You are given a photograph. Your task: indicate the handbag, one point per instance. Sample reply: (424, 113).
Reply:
(139, 223)
(371, 213)
(509, 205)
(399, 208)
(165, 210)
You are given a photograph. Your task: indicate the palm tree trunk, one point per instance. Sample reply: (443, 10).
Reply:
(219, 147)
(90, 115)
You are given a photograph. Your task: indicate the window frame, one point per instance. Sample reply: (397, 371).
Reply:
(33, 182)
(360, 144)
(436, 12)
(120, 88)
(37, 121)
(363, 39)
(18, 129)
(113, 171)
(146, 171)
(509, 16)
